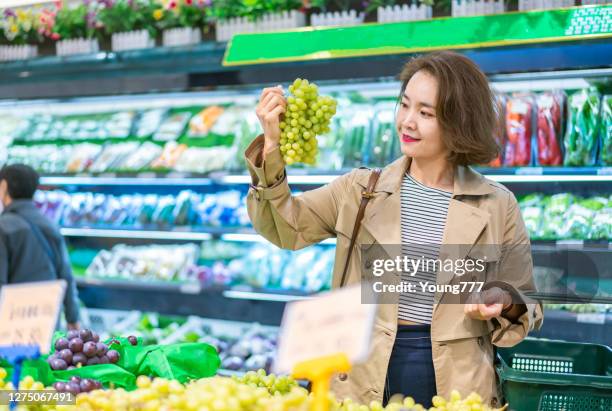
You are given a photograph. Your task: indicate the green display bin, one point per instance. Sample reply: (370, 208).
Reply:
(544, 375)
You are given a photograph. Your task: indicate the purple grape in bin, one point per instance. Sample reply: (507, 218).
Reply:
(59, 364)
(61, 344)
(76, 345)
(60, 386)
(72, 334)
(93, 361)
(73, 388)
(113, 356)
(95, 337)
(85, 335)
(79, 358)
(87, 385)
(65, 355)
(90, 349)
(104, 359)
(132, 340)
(101, 348)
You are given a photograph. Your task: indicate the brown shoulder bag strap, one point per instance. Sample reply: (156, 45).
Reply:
(365, 197)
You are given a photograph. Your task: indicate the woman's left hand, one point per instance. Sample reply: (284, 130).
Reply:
(487, 304)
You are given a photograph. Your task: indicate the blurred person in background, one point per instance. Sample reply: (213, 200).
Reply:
(31, 246)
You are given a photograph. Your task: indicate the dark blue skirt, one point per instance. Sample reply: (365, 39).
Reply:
(411, 372)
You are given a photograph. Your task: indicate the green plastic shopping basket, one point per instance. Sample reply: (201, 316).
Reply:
(545, 375)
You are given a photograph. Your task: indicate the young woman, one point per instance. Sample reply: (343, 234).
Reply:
(445, 122)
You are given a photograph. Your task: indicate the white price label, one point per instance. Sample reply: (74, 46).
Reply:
(530, 171)
(591, 318)
(332, 323)
(604, 171)
(191, 288)
(29, 311)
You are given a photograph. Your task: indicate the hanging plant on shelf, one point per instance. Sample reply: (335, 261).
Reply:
(253, 9)
(76, 21)
(170, 14)
(20, 27)
(119, 16)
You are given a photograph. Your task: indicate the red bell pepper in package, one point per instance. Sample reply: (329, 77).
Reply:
(518, 131)
(498, 133)
(549, 137)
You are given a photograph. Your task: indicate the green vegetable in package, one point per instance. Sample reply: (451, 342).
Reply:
(582, 129)
(384, 144)
(606, 131)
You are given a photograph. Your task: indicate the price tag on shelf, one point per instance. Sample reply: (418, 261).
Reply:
(147, 174)
(604, 171)
(591, 318)
(28, 313)
(329, 324)
(529, 171)
(190, 288)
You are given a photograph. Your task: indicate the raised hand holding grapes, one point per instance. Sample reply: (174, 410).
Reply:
(293, 123)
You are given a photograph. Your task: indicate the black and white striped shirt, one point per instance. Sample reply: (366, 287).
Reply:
(424, 210)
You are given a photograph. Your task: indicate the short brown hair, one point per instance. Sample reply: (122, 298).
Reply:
(465, 106)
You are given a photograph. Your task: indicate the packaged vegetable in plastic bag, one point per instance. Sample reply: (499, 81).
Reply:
(384, 145)
(149, 122)
(582, 131)
(356, 129)
(532, 211)
(499, 132)
(549, 121)
(517, 150)
(201, 123)
(172, 127)
(606, 131)
(554, 220)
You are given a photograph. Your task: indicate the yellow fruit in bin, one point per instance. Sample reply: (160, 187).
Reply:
(3, 373)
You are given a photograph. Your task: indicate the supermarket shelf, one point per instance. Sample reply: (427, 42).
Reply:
(569, 326)
(184, 68)
(249, 235)
(318, 177)
(141, 234)
(226, 234)
(235, 304)
(123, 181)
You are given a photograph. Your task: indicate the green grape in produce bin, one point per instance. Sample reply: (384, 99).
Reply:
(308, 115)
(275, 385)
(255, 391)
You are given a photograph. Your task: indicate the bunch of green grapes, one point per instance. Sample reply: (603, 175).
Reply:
(274, 384)
(308, 115)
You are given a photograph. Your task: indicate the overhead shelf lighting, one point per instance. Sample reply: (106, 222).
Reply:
(548, 178)
(123, 181)
(518, 175)
(140, 234)
(249, 295)
(256, 238)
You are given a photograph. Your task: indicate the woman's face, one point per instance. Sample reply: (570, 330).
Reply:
(416, 121)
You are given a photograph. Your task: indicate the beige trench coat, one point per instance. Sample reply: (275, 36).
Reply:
(480, 212)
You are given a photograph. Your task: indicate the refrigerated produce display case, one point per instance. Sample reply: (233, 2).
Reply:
(141, 162)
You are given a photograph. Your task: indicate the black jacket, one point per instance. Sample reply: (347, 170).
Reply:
(23, 258)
